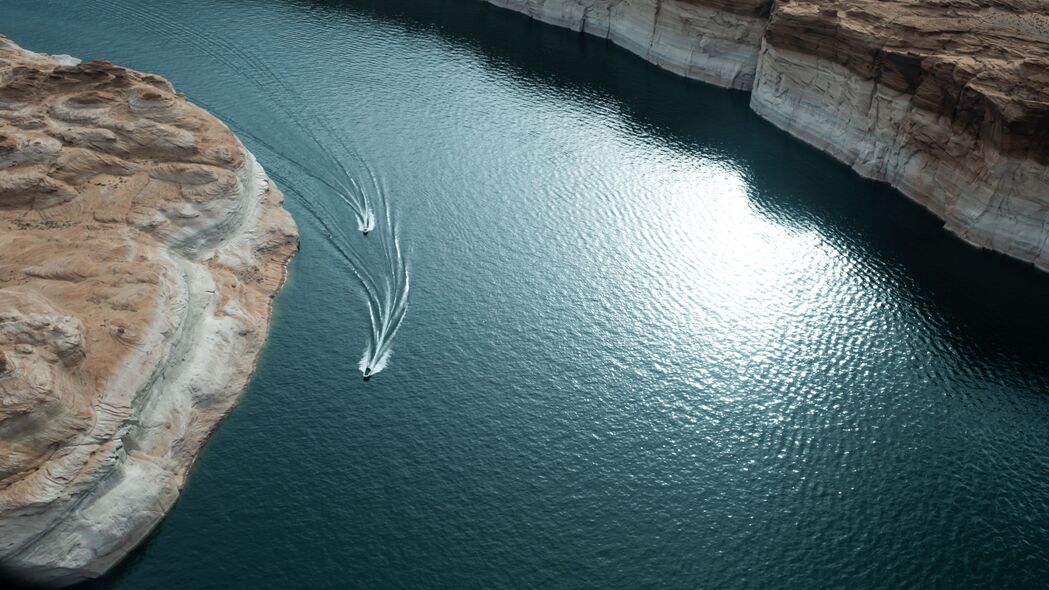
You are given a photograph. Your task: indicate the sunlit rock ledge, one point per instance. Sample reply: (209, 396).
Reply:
(946, 101)
(140, 248)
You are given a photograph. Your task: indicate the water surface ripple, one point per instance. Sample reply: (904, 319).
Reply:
(654, 342)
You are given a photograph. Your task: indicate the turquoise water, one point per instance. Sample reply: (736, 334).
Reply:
(651, 341)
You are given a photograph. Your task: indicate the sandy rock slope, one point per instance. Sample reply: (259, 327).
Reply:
(140, 248)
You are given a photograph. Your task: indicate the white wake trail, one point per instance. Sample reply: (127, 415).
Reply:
(387, 300)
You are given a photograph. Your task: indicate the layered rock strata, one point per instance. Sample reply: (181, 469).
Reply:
(946, 100)
(715, 41)
(140, 247)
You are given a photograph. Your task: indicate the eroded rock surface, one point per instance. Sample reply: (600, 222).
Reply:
(140, 247)
(947, 100)
(715, 41)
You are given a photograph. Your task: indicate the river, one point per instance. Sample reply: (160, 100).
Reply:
(651, 341)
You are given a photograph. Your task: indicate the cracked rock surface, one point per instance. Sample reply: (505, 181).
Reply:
(140, 248)
(946, 100)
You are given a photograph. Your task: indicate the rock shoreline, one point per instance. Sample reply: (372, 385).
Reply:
(946, 101)
(715, 41)
(142, 246)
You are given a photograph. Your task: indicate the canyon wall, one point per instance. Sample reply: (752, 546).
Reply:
(141, 247)
(715, 41)
(946, 100)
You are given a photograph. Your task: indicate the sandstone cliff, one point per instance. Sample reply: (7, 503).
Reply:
(947, 100)
(140, 247)
(715, 41)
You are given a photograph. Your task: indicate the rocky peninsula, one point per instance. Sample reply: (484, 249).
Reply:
(142, 245)
(948, 101)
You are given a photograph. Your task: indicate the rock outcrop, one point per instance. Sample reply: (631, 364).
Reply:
(140, 248)
(715, 41)
(946, 100)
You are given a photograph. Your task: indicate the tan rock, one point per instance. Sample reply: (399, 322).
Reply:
(946, 100)
(140, 247)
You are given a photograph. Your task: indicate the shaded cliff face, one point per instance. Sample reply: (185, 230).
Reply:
(947, 100)
(983, 63)
(715, 41)
(141, 246)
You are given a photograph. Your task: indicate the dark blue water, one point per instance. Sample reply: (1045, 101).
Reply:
(651, 341)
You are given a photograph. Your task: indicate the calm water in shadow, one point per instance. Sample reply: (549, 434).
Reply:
(652, 341)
